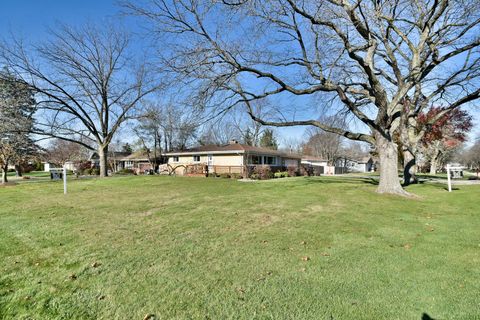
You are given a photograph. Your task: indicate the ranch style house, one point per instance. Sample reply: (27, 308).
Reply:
(232, 158)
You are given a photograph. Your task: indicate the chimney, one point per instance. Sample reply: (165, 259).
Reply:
(233, 141)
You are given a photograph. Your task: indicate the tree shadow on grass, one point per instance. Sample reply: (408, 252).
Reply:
(425, 316)
(337, 179)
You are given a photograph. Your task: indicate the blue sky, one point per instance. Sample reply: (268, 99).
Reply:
(31, 19)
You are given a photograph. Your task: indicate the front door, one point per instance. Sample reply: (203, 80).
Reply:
(210, 162)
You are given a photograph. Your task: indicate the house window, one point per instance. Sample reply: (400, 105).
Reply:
(175, 158)
(255, 160)
(269, 160)
(196, 158)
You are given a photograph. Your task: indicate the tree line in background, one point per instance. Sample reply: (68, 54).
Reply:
(401, 71)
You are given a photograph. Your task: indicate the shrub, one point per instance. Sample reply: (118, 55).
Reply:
(262, 173)
(25, 177)
(39, 166)
(224, 175)
(281, 174)
(125, 172)
(83, 166)
(473, 178)
(306, 171)
(94, 172)
(292, 171)
(236, 176)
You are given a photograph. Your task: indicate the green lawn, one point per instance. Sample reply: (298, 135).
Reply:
(196, 248)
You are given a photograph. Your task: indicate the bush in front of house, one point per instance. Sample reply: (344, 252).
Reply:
(306, 171)
(225, 175)
(473, 178)
(292, 171)
(281, 174)
(125, 172)
(236, 176)
(262, 173)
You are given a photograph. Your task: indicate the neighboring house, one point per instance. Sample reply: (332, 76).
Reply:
(47, 166)
(69, 165)
(314, 161)
(364, 164)
(138, 162)
(342, 165)
(231, 158)
(318, 165)
(114, 158)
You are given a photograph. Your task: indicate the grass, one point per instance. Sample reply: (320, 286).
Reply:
(196, 248)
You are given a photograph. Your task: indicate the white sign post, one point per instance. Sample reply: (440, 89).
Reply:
(456, 171)
(55, 175)
(64, 180)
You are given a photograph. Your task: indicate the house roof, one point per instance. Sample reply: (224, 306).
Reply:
(312, 158)
(137, 155)
(114, 154)
(232, 148)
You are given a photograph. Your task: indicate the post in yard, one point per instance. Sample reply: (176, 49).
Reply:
(64, 180)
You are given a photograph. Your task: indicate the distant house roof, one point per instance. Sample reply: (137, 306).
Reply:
(138, 156)
(312, 158)
(115, 154)
(232, 148)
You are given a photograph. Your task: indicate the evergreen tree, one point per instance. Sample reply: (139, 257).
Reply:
(268, 140)
(17, 106)
(248, 138)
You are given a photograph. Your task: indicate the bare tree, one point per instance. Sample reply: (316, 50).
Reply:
(369, 56)
(149, 133)
(326, 145)
(60, 151)
(86, 83)
(471, 157)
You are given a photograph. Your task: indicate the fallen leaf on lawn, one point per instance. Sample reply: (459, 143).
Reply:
(305, 258)
(73, 276)
(325, 254)
(303, 242)
(302, 269)
(264, 241)
(407, 246)
(96, 264)
(149, 316)
(241, 290)
(101, 297)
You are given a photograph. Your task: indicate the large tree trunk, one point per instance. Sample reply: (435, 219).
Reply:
(433, 166)
(434, 163)
(409, 168)
(18, 170)
(4, 173)
(103, 154)
(388, 156)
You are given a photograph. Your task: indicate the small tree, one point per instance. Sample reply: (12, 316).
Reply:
(17, 105)
(472, 157)
(444, 135)
(149, 133)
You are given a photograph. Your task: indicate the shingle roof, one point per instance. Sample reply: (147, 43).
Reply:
(232, 148)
